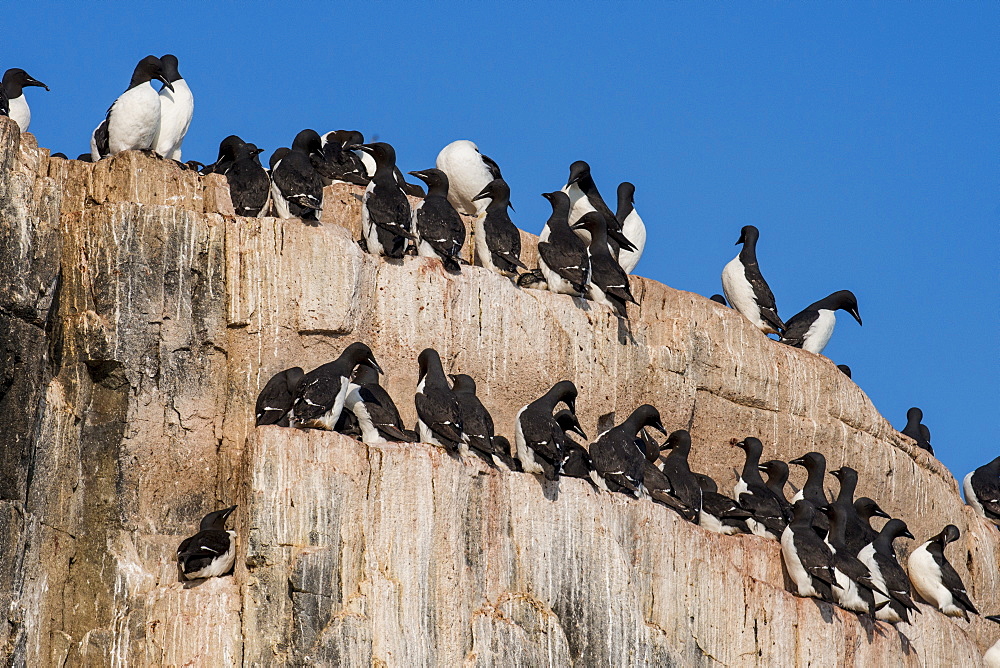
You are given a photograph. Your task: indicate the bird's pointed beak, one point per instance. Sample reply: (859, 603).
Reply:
(881, 513)
(658, 426)
(419, 175)
(579, 430)
(374, 364)
(166, 83)
(857, 317)
(798, 462)
(907, 534)
(257, 151)
(761, 467)
(511, 207)
(578, 226)
(484, 194)
(622, 240)
(35, 82)
(228, 512)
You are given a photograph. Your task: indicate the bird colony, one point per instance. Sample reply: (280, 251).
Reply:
(830, 548)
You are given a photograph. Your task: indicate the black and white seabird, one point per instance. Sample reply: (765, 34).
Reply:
(249, 184)
(439, 417)
(854, 527)
(210, 552)
(477, 423)
(777, 476)
(578, 463)
(584, 198)
(745, 287)
(275, 401)
(844, 369)
(497, 239)
(620, 464)
(813, 491)
(808, 559)
(916, 430)
(684, 486)
(469, 172)
(632, 227)
(812, 327)
(341, 165)
(718, 299)
(440, 230)
(609, 284)
(322, 392)
(539, 439)
(719, 513)
(769, 518)
(865, 509)
(887, 575)
(563, 259)
(385, 210)
(296, 186)
(935, 578)
(15, 80)
(982, 490)
(856, 591)
(376, 413)
(176, 111)
(133, 119)
(227, 154)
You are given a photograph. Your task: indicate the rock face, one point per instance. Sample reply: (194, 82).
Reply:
(138, 320)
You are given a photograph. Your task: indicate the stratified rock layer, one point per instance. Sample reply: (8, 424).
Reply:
(138, 321)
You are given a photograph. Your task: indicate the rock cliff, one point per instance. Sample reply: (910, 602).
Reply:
(138, 320)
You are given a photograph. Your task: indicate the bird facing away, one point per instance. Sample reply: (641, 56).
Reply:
(745, 287)
(609, 284)
(498, 241)
(684, 486)
(385, 211)
(275, 401)
(632, 227)
(376, 413)
(812, 491)
(982, 490)
(249, 185)
(539, 439)
(935, 578)
(477, 423)
(887, 575)
(808, 559)
(769, 517)
(563, 259)
(339, 164)
(319, 399)
(134, 118)
(719, 513)
(440, 230)
(210, 552)
(296, 186)
(718, 299)
(620, 463)
(916, 430)
(12, 100)
(469, 172)
(176, 111)
(439, 417)
(812, 327)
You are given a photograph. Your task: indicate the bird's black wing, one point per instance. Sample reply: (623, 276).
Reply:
(210, 543)
(440, 226)
(383, 413)
(578, 463)
(503, 240)
(388, 208)
(611, 278)
(795, 329)
(439, 411)
(765, 506)
(896, 582)
(568, 260)
(722, 506)
(816, 556)
(477, 424)
(951, 580)
(764, 297)
(299, 183)
(249, 187)
(316, 394)
(659, 488)
(492, 166)
(102, 138)
(274, 401)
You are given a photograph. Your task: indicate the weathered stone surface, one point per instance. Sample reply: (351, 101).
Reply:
(138, 321)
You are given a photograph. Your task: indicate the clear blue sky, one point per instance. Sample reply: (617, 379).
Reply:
(861, 138)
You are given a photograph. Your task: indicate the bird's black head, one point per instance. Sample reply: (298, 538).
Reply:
(846, 370)
(434, 178)
(557, 199)
(647, 416)
(365, 374)
(748, 234)
(845, 301)
(384, 154)
(293, 377)
(706, 483)
(678, 440)
(229, 147)
(496, 190)
(308, 141)
(591, 221)
(578, 170)
(719, 299)
(750, 445)
(626, 192)
(462, 382)
(278, 155)
(568, 421)
(359, 353)
(147, 69)
(845, 474)
(896, 529)
(15, 79)
(948, 535)
(914, 415)
(776, 470)
(217, 520)
(803, 510)
(868, 508)
(810, 460)
(169, 65)
(428, 357)
(564, 391)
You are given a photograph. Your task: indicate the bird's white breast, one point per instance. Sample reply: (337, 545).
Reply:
(800, 576)
(635, 231)
(220, 565)
(739, 292)
(134, 119)
(579, 205)
(819, 332)
(20, 113)
(970, 495)
(467, 175)
(176, 110)
(925, 574)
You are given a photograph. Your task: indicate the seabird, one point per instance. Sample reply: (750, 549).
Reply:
(249, 184)
(936, 580)
(856, 590)
(440, 230)
(533, 280)
(176, 110)
(584, 198)
(296, 186)
(718, 299)
(320, 397)
(684, 485)
(812, 327)
(339, 165)
(808, 559)
(609, 284)
(477, 423)
(745, 287)
(469, 172)
(769, 518)
(439, 417)
(497, 239)
(631, 225)
(275, 400)
(719, 513)
(210, 552)
(887, 575)
(539, 439)
(865, 509)
(777, 476)
(376, 413)
(578, 463)
(620, 465)
(854, 528)
(846, 370)
(812, 491)
(227, 155)
(916, 430)
(385, 210)
(133, 119)
(11, 90)
(503, 446)
(992, 657)
(563, 259)
(982, 490)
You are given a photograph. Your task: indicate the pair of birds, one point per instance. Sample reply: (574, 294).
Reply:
(13, 103)
(145, 119)
(748, 292)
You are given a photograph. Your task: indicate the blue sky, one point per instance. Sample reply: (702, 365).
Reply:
(861, 138)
